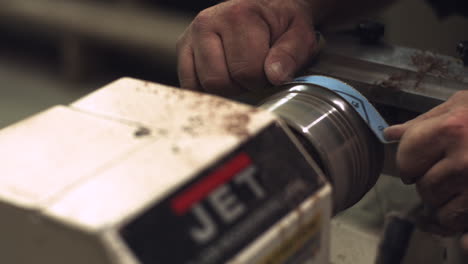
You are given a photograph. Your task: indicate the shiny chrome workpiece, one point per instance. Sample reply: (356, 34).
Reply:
(334, 134)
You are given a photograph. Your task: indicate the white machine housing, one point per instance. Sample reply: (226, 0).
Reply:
(73, 177)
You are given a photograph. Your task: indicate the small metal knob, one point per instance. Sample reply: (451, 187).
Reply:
(370, 32)
(462, 50)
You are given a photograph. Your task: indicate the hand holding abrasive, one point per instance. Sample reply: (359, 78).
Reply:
(241, 45)
(433, 154)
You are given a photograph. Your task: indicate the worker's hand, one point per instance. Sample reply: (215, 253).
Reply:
(433, 154)
(240, 45)
(464, 242)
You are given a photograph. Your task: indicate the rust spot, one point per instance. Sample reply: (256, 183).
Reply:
(254, 110)
(141, 132)
(425, 63)
(193, 126)
(175, 149)
(236, 124)
(146, 88)
(162, 132)
(190, 130)
(428, 62)
(217, 102)
(195, 121)
(394, 82)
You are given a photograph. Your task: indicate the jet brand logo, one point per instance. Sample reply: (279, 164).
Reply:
(217, 189)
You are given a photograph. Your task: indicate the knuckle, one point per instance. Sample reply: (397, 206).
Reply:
(454, 126)
(203, 21)
(459, 95)
(413, 133)
(405, 161)
(184, 40)
(240, 9)
(180, 43)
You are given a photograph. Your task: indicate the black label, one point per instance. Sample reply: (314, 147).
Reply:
(212, 217)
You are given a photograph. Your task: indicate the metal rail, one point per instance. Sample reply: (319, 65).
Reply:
(150, 32)
(402, 77)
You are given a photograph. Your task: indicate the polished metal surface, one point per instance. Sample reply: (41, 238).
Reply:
(334, 134)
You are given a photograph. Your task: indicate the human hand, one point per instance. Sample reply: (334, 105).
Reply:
(433, 154)
(464, 242)
(241, 45)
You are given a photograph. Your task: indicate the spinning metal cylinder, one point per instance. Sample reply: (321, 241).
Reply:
(339, 140)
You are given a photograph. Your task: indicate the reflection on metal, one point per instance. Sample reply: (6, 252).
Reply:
(332, 131)
(340, 104)
(359, 103)
(281, 102)
(308, 128)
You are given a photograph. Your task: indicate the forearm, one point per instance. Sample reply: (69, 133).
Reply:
(335, 11)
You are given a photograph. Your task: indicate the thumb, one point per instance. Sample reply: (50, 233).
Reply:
(395, 132)
(290, 52)
(464, 242)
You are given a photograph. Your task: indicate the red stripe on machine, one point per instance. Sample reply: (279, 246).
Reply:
(201, 189)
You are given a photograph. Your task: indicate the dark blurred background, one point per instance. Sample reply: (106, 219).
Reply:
(54, 51)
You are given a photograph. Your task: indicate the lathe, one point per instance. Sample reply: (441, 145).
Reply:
(139, 173)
